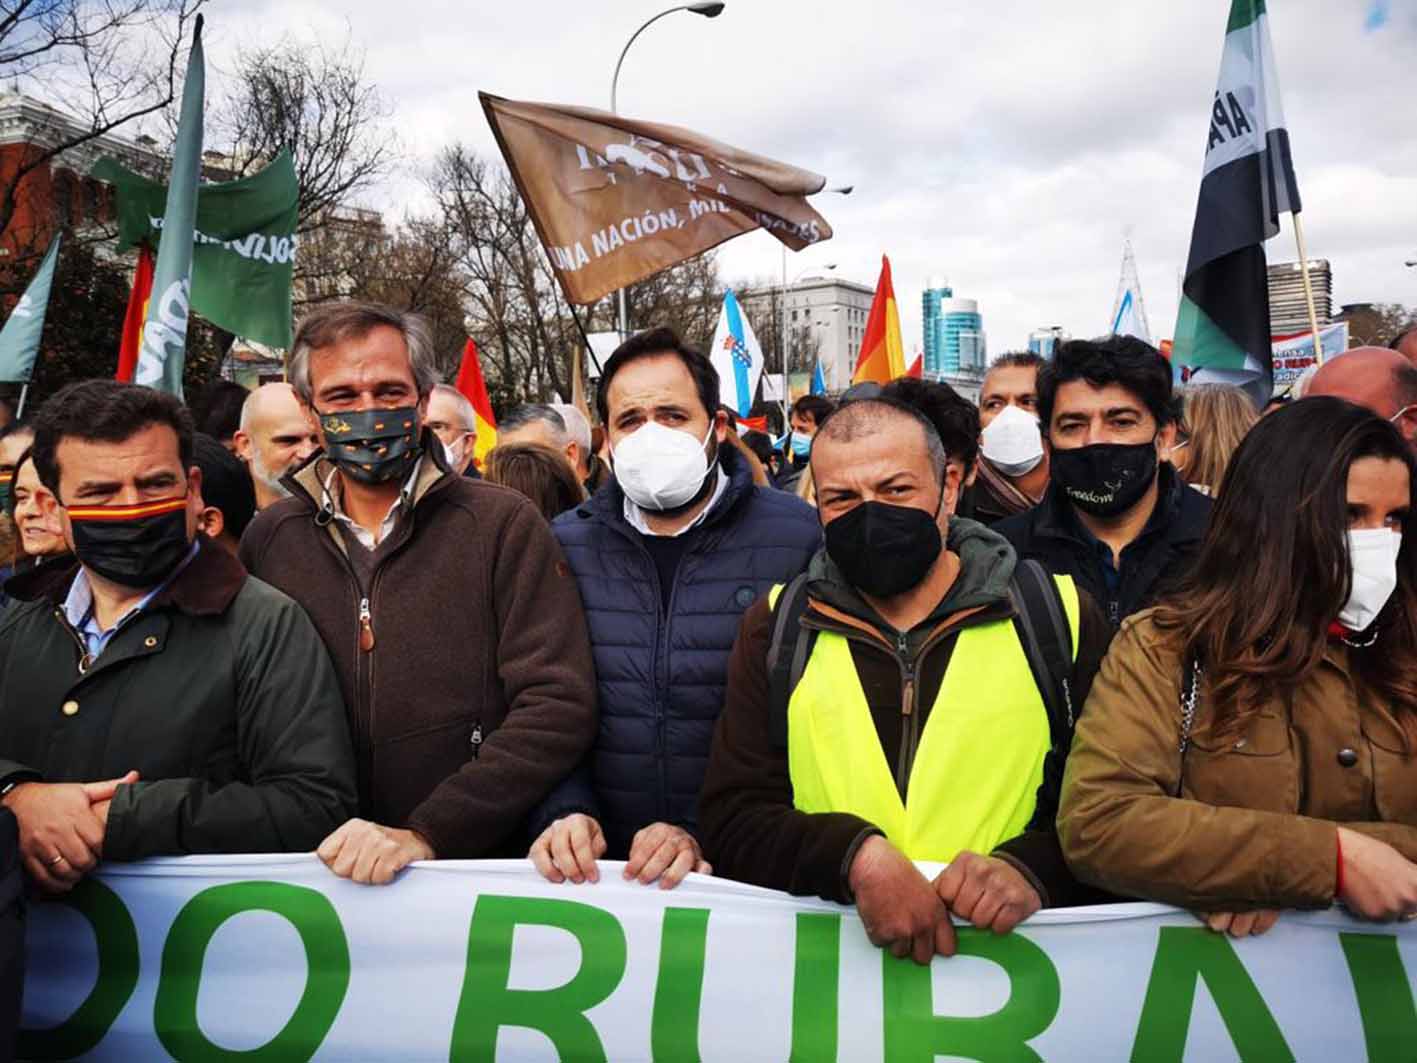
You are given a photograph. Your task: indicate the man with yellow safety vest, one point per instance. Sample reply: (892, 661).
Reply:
(910, 697)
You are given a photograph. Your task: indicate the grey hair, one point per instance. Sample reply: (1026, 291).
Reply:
(465, 410)
(532, 412)
(865, 417)
(577, 427)
(326, 325)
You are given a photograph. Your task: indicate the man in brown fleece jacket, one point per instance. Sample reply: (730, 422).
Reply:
(916, 731)
(447, 606)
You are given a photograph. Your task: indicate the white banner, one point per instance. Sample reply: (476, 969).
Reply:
(1295, 353)
(273, 957)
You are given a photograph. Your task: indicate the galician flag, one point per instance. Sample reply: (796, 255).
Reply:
(164, 348)
(474, 389)
(19, 340)
(737, 356)
(882, 353)
(819, 381)
(1246, 183)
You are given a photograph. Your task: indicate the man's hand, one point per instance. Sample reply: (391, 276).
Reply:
(667, 853)
(1240, 924)
(1379, 883)
(989, 892)
(61, 836)
(568, 849)
(371, 854)
(899, 907)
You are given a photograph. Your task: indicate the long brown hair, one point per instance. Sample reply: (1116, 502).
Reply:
(1216, 420)
(1273, 571)
(540, 472)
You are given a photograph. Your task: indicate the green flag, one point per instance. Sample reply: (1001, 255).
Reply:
(244, 253)
(164, 347)
(19, 340)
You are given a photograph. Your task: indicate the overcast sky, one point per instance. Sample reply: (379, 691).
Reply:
(1007, 146)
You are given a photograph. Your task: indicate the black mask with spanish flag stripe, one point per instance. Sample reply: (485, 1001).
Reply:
(134, 546)
(372, 446)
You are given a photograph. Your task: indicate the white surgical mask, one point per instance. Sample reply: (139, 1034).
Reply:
(1372, 557)
(1012, 442)
(453, 454)
(660, 468)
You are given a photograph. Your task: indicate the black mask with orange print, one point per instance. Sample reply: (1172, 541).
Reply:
(372, 446)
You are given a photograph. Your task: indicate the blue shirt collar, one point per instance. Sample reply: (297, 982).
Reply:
(79, 610)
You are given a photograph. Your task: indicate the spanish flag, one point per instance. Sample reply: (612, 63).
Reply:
(474, 388)
(136, 314)
(882, 353)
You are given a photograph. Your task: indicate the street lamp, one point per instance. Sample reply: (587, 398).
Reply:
(708, 10)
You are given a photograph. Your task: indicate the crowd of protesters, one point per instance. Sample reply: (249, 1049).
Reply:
(1091, 639)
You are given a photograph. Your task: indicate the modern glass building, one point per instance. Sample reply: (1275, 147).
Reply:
(936, 290)
(958, 339)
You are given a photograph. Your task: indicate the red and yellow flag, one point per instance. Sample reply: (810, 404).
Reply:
(474, 388)
(135, 315)
(882, 353)
(917, 368)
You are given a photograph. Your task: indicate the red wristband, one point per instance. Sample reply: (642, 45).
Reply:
(1338, 879)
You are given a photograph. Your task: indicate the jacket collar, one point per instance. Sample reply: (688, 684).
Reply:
(608, 504)
(206, 587)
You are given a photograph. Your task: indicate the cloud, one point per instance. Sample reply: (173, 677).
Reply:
(1006, 145)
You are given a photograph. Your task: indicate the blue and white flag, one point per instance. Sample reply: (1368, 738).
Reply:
(1129, 312)
(737, 356)
(819, 382)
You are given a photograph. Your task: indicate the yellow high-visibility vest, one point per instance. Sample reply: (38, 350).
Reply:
(979, 762)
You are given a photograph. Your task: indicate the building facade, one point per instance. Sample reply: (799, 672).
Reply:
(936, 290)
(1044, 341)
(959, 339)
(826, 322)
(1288, 308)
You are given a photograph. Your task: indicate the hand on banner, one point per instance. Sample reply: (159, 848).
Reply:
(1240, 924)
(665, 852)
(897, 904)
(371, 854)
(1379, 883)
(989, 892)
(62, 827)
(568, 849)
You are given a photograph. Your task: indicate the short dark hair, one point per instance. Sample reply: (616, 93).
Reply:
(217, 409)
(865, 416)
(1410, 330)
(955, 418)
(226, 483)
(760, 443)
(1018, 360)
(817, 407)
(648, 344)
(531, 413)
(1125, 360)
(104, 411)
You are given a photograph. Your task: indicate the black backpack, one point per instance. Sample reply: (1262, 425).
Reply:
(1039, 619)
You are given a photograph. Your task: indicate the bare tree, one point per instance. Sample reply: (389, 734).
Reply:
(315, 100)
(100, 64)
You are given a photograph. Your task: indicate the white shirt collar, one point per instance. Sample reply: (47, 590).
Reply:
(362, 535)
(636, 516)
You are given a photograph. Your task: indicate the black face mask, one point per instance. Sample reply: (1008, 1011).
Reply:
(1105, 479)
(372, 446)
(135, 546)
(882, 549)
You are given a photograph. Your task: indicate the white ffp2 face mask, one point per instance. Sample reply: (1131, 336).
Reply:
(1012, 442)
(1372, 557)
(660, 468)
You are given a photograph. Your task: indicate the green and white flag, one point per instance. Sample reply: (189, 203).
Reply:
(1246, 183)
(164, 349)
(19, 340)
(244, 258)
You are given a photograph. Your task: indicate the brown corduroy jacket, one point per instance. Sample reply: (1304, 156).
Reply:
(1238, 820)
(470, 691)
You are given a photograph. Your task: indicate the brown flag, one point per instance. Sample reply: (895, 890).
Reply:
(616, 200)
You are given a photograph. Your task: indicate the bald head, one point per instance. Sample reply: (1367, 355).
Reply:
(276, 434)
(1376, 378)
(907, 430)
(1406, 344)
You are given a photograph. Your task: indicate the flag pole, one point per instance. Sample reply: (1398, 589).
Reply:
(24, 393)
(1308, 288)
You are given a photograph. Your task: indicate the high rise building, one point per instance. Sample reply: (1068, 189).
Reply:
(1288, 309)
(1044, 341)
(958, 332)
(936, 290)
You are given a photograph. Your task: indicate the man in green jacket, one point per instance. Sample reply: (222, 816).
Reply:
(154, 698)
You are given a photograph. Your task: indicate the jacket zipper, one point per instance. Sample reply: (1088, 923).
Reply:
(909, 718)
(476, 740)
(366, 626)
(85, 658)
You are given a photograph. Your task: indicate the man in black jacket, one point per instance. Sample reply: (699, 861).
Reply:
(201, 698)
(1116, 517)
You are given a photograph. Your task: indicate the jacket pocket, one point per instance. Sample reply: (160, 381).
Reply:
(1394, 771)
(1257, 769)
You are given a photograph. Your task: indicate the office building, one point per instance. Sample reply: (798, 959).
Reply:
(936, 289)
(826, 322)
(1288, 309)
(1044, 341)
(959, 340)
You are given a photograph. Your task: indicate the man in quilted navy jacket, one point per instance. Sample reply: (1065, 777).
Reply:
(668, 555)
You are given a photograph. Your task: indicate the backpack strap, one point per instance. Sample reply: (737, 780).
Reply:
(788, 652)
(1047, 640)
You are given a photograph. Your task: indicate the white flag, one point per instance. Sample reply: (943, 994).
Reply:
(737, 356)
(1129, 312)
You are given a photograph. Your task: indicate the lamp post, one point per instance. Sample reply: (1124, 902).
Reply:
(707, 10)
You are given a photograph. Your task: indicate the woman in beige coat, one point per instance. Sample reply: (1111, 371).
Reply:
(1248, 745)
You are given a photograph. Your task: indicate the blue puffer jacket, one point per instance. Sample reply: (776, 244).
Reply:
(661, 680)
